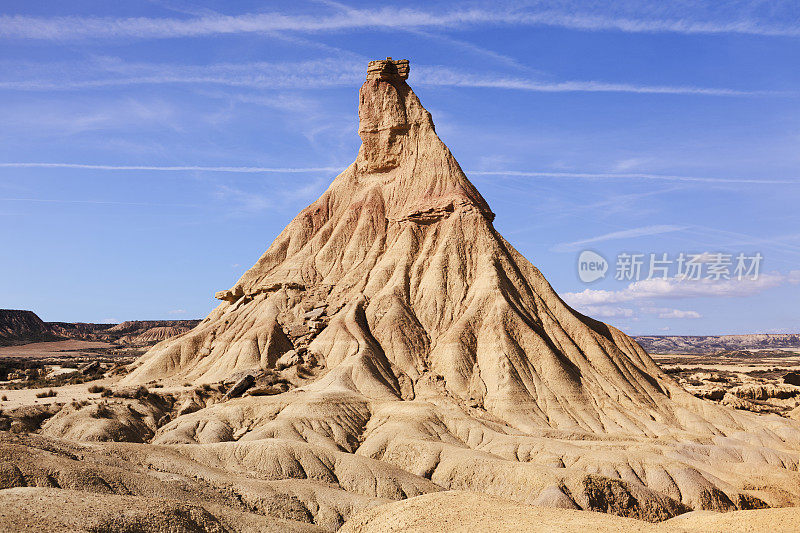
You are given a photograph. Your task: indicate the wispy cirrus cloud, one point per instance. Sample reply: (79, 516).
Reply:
(555, 15)
(447, 77)
(666, 312)
(327, 73)
(615, 235)
(337, 169)
(189, 168)
(94, 202)
(610, 311)
(607, 311)
(630, 176)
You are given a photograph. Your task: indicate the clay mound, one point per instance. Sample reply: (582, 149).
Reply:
(147, 332)
(447, 512)
(421, 340)
(451, 511)
(290, 482)
(54, 510)
(137, 327)
(153, 335)
(413, 282)
(115, 421)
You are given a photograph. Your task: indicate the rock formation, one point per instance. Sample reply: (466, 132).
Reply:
(438, 349)
(21, 327)
(717, 343)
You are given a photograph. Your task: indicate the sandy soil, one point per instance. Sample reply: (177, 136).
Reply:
(452, 511)
(65, 394)
(732, 364)
(52, 349)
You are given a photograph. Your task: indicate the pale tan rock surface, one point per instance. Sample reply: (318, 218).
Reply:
(462, 512)
(41, 509)
(455, 512)
(449, 355)
(429, 355)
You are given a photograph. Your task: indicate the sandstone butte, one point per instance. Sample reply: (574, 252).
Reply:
(437, 358)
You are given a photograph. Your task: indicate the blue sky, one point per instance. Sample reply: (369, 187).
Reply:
(151, 150)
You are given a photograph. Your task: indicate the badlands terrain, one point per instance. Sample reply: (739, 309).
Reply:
(392, 363)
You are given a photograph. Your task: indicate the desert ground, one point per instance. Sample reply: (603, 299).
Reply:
(761, 381)
(392, 363)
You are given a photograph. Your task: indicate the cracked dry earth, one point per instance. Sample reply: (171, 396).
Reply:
(439, 384)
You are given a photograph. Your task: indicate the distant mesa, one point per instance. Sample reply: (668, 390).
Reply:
(19, 327)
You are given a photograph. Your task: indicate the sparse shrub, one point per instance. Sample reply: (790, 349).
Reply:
(138, 393)
(4, 398)
(263, 391)
(94, 389)
(107, 393)
(102, 411)
(46, 394)
(187, 384)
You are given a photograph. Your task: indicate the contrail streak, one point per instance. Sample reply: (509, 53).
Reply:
(512, 173)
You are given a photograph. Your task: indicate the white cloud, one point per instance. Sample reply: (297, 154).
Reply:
(258, 170)
(248, 170)
(332, 72)
(666, 312)
(606, 311)
(93, 202)
(680, 288)
(611, 311)
(677, 313)
(56, 119)
(630, 163)
(627, 176)
(243, 202)
(624, 234)
(111, 72)
(452, 78)
(61, 28)
(177, 312)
